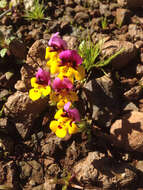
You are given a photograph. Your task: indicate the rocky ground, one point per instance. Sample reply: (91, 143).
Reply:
(109, 155)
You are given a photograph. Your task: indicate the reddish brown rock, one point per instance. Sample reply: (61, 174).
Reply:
(131, 3)
(128, 132)
(91, 170)
(18, 49)
(124, 58)
(23, 111)
(35, 59)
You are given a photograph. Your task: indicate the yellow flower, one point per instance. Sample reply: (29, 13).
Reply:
(53, 60)
(59, 128)
(50, 54)
(34, 94)
(63, 126)
(72, 127)
(59, 114)
(33, 82)
(62, 97)
(38, 90)
(53, 64)
(80, 73)
(72, 73)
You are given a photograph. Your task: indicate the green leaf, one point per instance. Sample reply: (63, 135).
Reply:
(3, 52)
(103, 63)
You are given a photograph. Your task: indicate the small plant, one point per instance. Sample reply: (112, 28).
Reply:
(104, 23)
(37, 13)
(91, 54)
(85, 127)
(4, 44)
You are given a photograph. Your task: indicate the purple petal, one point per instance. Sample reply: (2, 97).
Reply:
(67, 83)
(57, 42)
(43, 77)
(67, 106)
(74, 114)
(70, 56)
(59, 84)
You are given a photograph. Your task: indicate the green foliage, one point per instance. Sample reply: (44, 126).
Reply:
(3, 52)
(91, 54)
(1, 111)
(37, 13)
(65, 180)
(85, 127)
(104, 23)
(4, 44)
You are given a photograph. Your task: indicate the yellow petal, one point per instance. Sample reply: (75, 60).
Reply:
(46, 90)
(72, 96)
(33, 82)
(61, 103)
(58, 114)
(53, 125)
(47, 56)
(54, 69)
(61, 132)
(72, 128)
(54, 97)
(80, 73)
(34, 94)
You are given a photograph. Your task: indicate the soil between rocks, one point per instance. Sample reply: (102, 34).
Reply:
(110, 154)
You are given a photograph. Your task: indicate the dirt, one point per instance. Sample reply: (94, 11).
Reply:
(31, 157)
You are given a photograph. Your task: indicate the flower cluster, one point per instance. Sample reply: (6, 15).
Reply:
(64, 68)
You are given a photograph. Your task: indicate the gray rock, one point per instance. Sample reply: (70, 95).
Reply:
(129, 52)
(102, 99)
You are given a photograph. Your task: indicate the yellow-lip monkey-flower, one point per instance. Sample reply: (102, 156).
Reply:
(62, 97)
(40, 85)
(65, 121)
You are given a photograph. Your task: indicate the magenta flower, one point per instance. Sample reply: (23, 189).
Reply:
(70, 56)
(56, 42)
(73, 113)
(59, 84)
(43, 77)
